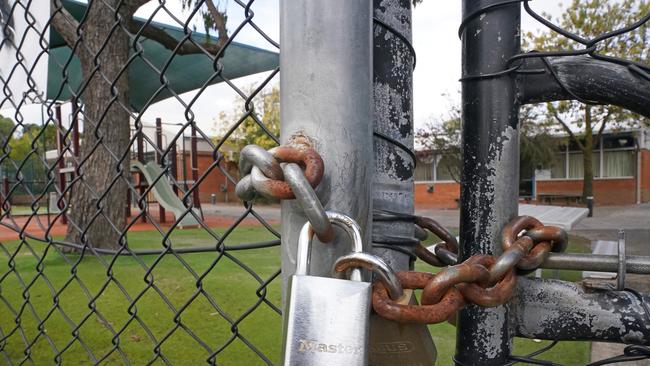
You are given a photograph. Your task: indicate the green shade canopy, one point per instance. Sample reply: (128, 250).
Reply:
(184, 73)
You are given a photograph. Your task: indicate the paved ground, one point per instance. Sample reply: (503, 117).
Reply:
(635, 220)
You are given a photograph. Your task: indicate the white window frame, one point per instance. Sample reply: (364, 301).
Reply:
(601, 160)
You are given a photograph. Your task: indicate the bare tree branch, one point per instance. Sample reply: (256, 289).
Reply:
(63, 22)
(603, 124)
(163, 38)
(134, 5)
(566, 128)
(219, 19)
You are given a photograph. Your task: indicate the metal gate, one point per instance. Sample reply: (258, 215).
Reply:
(107, 275)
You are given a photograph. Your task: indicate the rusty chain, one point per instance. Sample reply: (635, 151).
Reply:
(285, 172)
(482, 279)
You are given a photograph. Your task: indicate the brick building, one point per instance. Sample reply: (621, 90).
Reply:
(621, 165)
(210, 174)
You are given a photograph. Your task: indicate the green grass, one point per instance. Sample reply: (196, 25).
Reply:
(230, 286)
(27, 210)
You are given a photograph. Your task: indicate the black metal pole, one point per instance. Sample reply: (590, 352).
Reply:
(583, 77)
(490, 176)
(393, 99)
(159, 160)
(392, 185)
(195, 167)
(60, 142)
(560, 310)
(140, 157)
(173, 158)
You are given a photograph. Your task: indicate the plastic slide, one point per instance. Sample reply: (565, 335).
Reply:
(164, 193)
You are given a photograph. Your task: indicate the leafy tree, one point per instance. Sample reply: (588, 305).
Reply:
(589, 18)
(266, 107)
(103, 52)
(537, 147)
(6, 128)
(26, 152)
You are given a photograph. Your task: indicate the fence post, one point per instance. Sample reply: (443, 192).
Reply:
(60, 142)
(173, 158)
(159, 160)
(326, 93)
(140, 157)
(393, 105)
(195, 168)
(75, 129)
(490, 171)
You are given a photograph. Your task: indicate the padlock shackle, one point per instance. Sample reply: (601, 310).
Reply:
(376, 265)
(351, 228)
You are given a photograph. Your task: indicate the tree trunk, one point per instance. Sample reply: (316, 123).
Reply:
(98, 201)
(587, 157)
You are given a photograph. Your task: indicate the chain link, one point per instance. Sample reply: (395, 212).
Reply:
(285, 172)
(482, 279)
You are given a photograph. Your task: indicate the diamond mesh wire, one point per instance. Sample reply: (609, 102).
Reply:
(91, 271)
(87, 283)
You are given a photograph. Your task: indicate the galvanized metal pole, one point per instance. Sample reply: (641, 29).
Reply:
(326, 94)
(490, 172)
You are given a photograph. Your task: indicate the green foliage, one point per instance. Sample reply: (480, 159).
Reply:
(6, 128)
(443, 136)
(26, 149)
(213, 18)
(266, 107)
(589, 19)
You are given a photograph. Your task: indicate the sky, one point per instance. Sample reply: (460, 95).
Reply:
(435, 40)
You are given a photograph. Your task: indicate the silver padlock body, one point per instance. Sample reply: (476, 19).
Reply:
(327, 322)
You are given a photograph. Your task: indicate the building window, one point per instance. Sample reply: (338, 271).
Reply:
(618, 163)
(423, 172)
(576, 166)
(615, 160)
(446, 169)
(558, 167)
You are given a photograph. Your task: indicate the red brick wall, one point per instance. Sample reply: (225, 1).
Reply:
(210, 184)
(645, 175)
(444, 195)
(606, 191)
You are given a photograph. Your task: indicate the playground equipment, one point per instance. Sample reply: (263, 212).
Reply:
(164, 193)
(151, 172)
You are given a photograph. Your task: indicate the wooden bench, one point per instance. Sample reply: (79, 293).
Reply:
(568, 197)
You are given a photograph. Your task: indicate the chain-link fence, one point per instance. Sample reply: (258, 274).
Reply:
(121, 237)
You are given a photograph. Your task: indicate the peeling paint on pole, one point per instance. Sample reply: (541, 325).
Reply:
(393, 112)
(490, 171)
(551, 309)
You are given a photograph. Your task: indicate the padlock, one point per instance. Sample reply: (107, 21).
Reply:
(392, 343)
(326, 321)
